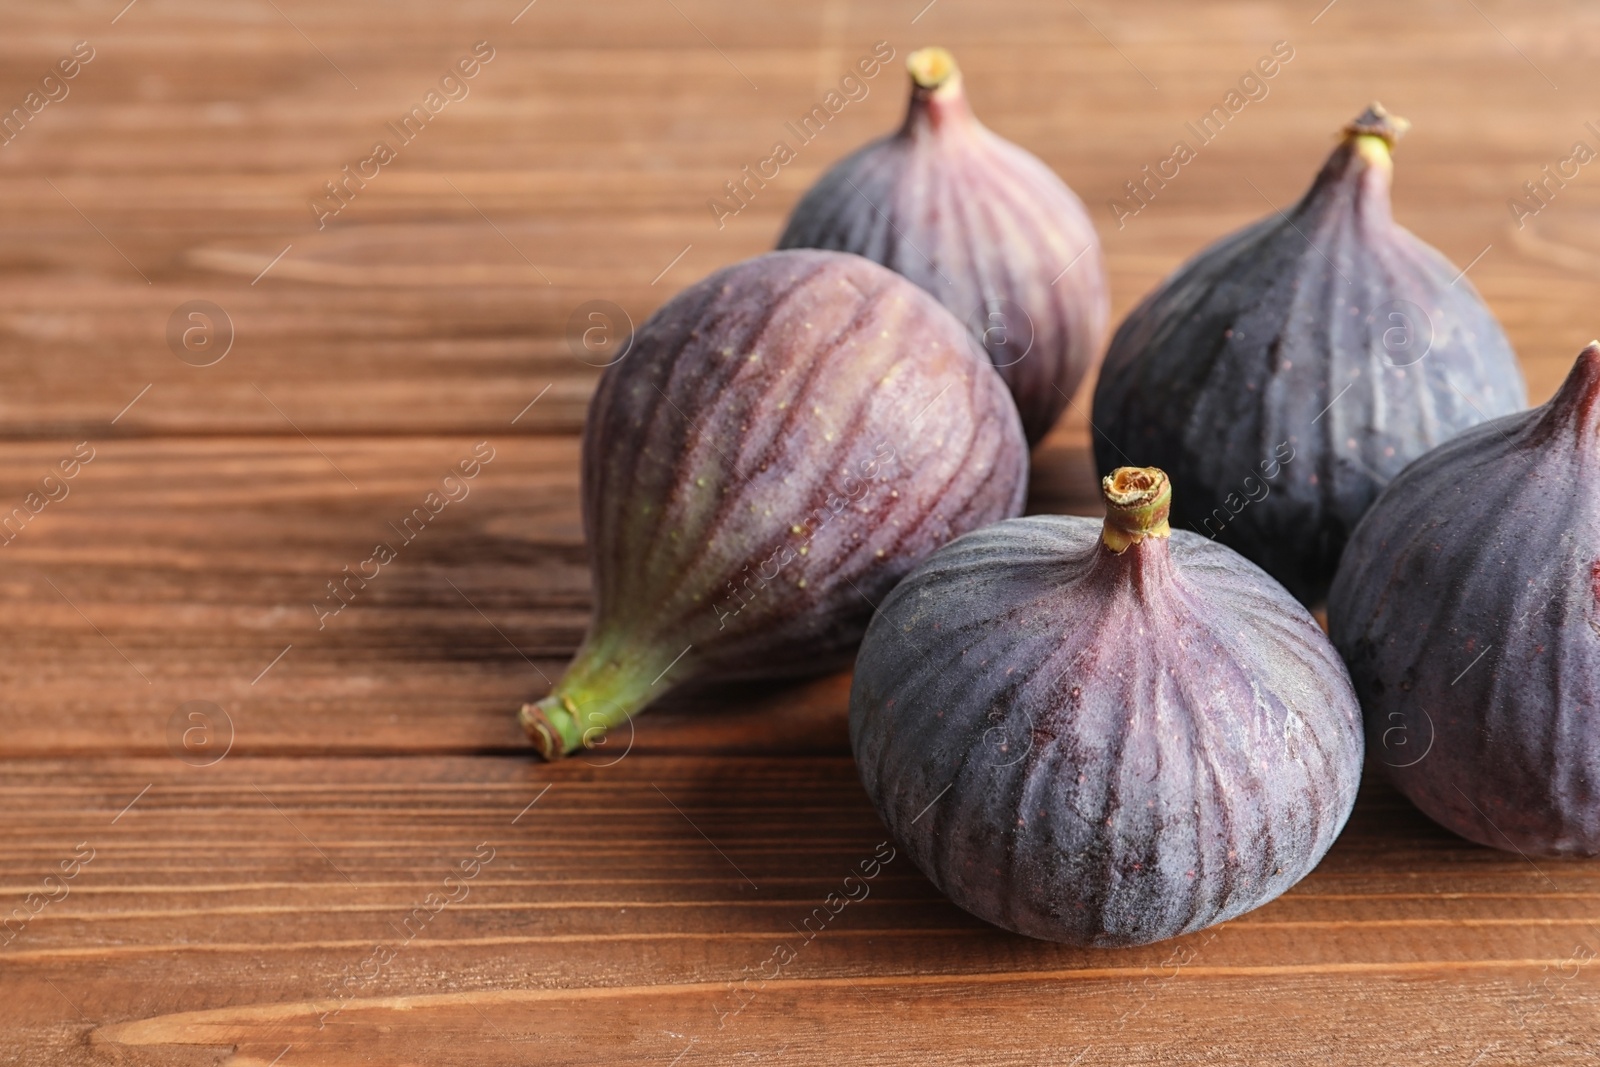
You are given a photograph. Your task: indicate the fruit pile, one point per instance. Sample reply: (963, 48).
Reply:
(1108, 733)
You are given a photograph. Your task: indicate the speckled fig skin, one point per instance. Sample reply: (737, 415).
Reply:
(1104, 747)
(782, 443)
(984, 226)
(1468, 610)
(1326, 334)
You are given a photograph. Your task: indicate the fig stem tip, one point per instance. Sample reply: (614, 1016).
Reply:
(549, 726)
(1138, 500)
(1375, 121)
(931, 67)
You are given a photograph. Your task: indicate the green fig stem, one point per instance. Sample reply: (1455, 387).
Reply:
(608, 682)
(1138, 500)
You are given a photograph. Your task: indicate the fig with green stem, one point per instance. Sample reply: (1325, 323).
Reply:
(782, 443)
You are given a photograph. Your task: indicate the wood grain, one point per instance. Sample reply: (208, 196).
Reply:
(283, 874)
(628, 916)
(177, 569)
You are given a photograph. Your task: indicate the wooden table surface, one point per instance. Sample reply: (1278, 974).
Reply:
(262, 890)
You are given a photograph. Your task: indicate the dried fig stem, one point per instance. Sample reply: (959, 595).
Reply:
(1137, 502)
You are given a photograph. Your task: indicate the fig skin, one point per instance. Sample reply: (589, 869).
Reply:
(782, 443)
(1466, 608)
(1099, 746)
(983, 225)
(1285, 374)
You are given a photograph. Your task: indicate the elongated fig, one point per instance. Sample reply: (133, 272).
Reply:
(984, 226)
(782, 443)
(1104, 735)
(1287, 373)
(1468, 610)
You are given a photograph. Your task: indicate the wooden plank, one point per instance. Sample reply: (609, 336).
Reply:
(178, 570)
(617, 918)
(636, 895)
(579, 165)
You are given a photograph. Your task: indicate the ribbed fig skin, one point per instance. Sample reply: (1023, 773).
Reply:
(783, 442)
(1103, 749)
(984, 226)
(1283, 340)
(1468, 610)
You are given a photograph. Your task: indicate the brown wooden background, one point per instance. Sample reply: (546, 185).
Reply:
(225, 904)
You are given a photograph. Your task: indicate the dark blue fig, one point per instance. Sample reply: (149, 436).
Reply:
(783, 441)
(1285, 374)
(1104, 734)
(984, 226)
(1468, 610)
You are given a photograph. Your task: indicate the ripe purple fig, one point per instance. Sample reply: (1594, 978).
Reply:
(984, 226)
(1288, 372)
(782, 443)
(1104, 734)
(1468, 609)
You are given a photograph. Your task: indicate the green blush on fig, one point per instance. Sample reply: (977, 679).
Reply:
(783, 442)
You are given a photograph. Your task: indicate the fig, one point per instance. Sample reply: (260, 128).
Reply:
(1468, 610)
(1285, 374)
(983, 225)
(782, 442)
(1104, 734)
